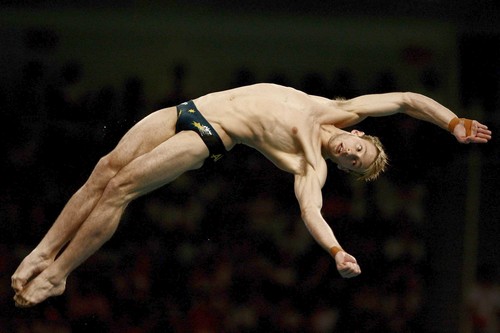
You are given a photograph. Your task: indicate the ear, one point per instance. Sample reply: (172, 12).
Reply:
(358, 133)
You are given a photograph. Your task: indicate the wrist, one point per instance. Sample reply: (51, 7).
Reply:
(466, 123)
(334, 250)
(452, 124)
(44, 253)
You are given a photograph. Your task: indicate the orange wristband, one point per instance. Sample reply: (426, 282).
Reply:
(334, 250)
(455, 121)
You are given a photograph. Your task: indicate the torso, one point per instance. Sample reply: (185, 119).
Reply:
(282, 123)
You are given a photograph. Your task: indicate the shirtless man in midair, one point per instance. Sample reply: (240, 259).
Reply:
(296, 131)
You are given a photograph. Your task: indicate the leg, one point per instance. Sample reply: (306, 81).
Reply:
(182, 152)
(140, 139)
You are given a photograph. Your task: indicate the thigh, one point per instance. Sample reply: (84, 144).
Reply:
(144, 136)
(167, 161)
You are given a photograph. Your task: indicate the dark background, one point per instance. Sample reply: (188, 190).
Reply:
(224, 249)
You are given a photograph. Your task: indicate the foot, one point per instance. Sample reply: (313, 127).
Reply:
(39, 289)
(30, 267)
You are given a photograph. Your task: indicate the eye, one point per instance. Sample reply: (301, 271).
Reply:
(359, 147)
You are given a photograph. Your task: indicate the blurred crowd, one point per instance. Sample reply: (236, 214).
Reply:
(220, 249)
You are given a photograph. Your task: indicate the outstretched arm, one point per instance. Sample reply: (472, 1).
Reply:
(308, 192)
(417, 106)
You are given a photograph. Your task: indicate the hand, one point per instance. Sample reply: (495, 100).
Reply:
(479, 133)
(347, 265)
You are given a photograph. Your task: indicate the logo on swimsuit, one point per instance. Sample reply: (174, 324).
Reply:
(204, 130)
(216, 157)
(191, 111)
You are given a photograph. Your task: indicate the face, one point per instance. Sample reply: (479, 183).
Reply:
(351, 152)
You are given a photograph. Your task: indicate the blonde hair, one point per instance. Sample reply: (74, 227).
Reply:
(380, 163)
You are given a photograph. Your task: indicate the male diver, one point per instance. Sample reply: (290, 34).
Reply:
(296, 131)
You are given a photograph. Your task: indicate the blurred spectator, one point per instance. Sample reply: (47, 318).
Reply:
(484, 301)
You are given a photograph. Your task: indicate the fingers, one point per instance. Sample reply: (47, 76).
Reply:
(479, 134)
(480, 131)
(479, 137)
(347, 265)
(483, 133)
(476, 140)
(349, 270)
(479, 125)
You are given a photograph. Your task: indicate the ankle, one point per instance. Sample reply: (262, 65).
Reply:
(41, 255)
(54, 275)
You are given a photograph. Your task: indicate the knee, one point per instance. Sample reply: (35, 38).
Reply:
(108, 165)
(117, 191)
(103, 172)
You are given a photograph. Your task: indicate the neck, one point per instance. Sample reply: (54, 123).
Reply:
(328, 132)
(331, 129)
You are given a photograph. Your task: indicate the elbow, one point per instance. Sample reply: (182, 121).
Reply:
(304, 214)
(409, 100)
(308, 213)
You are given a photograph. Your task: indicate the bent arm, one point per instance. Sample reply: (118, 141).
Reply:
(308, 193)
